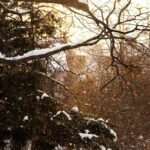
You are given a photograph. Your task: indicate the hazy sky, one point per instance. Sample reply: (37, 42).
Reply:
(80, 33)
(141, 2)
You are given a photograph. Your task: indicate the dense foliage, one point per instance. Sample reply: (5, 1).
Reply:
(27, 113)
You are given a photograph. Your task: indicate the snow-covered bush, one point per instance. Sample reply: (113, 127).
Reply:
(32, 115)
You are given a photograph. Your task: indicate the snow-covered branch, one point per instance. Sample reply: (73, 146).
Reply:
(21, 12)
(45, 52)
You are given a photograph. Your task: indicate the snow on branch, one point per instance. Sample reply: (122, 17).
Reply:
(87, 135)
(83, 1)
(62, 112)
(18, 12)
(45, 52)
